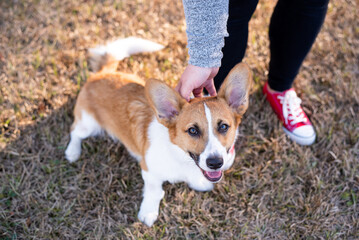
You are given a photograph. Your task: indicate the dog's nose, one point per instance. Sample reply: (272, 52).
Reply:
(214, 162)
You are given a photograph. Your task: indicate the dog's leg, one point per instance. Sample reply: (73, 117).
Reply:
(73, 150)
(152, 195)
(85, 127)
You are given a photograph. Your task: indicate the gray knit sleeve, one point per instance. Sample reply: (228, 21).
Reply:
(206, 28)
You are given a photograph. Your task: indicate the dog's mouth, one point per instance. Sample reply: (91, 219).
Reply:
(213, 176)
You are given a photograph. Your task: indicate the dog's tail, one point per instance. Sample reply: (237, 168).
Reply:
(106, 57)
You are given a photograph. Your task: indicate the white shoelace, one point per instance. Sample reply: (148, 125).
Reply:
(291, 108)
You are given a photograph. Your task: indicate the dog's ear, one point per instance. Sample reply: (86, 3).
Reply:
(164, 100)
(235, 89)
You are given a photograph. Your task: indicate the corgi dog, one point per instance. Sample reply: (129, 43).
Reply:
(172, 139)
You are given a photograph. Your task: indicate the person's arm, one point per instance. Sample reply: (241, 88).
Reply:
(206, 28)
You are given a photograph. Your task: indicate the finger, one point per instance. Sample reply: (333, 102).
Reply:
(184, 92)
(178, 87)
(186, 89)
(211, 88)
(186, 95)
(198, 92)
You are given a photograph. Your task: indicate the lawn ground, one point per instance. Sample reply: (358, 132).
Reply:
(276, 188)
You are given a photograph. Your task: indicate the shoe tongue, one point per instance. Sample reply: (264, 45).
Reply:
(215, 174)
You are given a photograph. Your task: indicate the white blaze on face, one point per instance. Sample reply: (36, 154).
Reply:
(213, 147)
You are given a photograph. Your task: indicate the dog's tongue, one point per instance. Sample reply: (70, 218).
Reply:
(215, 174)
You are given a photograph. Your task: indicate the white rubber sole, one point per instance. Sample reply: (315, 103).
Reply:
(305, 141)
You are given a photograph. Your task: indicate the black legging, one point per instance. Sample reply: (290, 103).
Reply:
(293, 28)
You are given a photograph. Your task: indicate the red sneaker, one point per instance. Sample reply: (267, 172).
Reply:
(295, 122)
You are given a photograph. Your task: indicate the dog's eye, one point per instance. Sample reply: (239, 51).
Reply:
(223, 128)
(193, 132)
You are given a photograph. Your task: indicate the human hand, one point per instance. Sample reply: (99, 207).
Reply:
(194, 79)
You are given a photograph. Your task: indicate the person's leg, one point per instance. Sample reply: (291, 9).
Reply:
(240, 12)
(293, 28)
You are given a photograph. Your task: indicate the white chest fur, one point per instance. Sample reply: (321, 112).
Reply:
(168, 162)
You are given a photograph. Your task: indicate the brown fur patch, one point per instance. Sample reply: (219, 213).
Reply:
(120, 107)
(192, 115)
(221, 113)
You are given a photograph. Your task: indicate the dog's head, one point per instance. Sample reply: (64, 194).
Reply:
(205, 128)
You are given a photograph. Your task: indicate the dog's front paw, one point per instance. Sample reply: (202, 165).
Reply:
(148, 218)
(72, 153)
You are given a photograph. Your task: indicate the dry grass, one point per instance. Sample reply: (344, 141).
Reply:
(276, 189)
